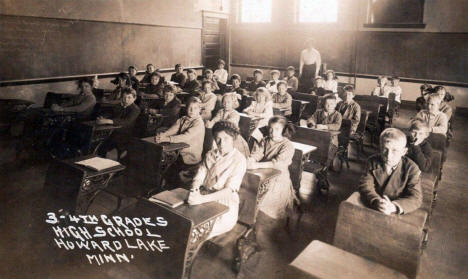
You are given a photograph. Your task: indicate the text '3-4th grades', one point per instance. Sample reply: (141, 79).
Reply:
(108, 239)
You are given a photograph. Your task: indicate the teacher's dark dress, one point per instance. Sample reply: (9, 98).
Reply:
(306, 81)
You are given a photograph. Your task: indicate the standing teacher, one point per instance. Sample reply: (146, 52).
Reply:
(309, 66)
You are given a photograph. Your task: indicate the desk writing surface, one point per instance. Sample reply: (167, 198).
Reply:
(304, 102)
(88, 171)
(305, 148)
(167, 146)
(322, 260)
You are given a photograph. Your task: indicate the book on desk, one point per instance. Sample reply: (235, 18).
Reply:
(98, 163)
(172, 199)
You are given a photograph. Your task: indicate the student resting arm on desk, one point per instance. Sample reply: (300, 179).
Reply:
(349, 109)
(327, 119)
(191, 85)
(124, 116)
(435, 119)
(227, 113)
(419, 148)
(150, 68)
(179, 76)
(220, 174)
(155, 87)
(208, 101)
(276, 151)
(169, 107)
(262, 109)
(83, 103)
(188, 129)
(282, 100)
(391, 183)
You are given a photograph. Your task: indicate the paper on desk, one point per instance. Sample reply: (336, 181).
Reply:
(98, 163)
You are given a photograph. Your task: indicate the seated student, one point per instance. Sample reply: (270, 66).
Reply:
(257, 82)
(149, 71)
(208, 101)
(155, 88)
(419, 148)
(219, 177)
(282, 100)
(391, 183)
(122, 81)
(82, 103)
(426, 90)
(444, 96)
(292, 81)
(272, 85)
(98, 92)
(191, 84)
(435, 119)
(276, 151)
(179, 76)
(227, 113)
(241, 94)
(261, 109)
(208, 76)
(395, 88)
(349, 109)
(169, 107)
(132, 71)
(124, 116)
(188, 129)
(382, 89)
(326, 119)
(319, 87)
(331, 81)
(221, 75)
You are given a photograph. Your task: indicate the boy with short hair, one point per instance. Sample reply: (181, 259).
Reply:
(150, 68)
(326, 119)
(257, 82)
(349, 109)
(391, 183)
(124, 116)
(292, 81)
(273, 83)
(282, 100)
(132, 71)
(435, 119)
(191, 85)
(419, 148)
(241, 93)
(382, 89)
(179, 76)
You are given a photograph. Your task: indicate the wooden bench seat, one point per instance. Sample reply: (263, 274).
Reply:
(321, 260)
(394, 241)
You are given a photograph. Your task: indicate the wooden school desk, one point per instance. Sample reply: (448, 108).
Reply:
(93, 135)
(188, 228)
(301, 156)
(148, 161)
(74, 186)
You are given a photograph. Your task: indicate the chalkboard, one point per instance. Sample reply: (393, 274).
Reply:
(42, 47)
(421, 55)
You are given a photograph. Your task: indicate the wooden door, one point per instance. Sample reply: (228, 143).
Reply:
(215, 39)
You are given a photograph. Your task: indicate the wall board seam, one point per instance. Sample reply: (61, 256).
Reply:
(104, 21)
(6, 83)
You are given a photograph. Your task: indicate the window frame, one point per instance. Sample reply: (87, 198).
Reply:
(298, 11)
(240, 19)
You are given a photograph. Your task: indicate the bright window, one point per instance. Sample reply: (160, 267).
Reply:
(318, 11)
(256, 10)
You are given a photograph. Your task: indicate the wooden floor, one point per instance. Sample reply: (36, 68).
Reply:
(23, 247)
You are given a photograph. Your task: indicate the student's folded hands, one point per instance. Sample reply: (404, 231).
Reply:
(385, 206)
(195, 198)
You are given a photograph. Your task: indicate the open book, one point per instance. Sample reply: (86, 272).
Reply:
(98, 163)
(172, 198)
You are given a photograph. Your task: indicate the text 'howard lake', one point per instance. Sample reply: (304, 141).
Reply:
(108, 239)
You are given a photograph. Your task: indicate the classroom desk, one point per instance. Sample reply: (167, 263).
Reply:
(253, 123)
(187, 230)
(321, 260)
(148, 161)
(76, 184)
(94, 135)
(148, 123)
(301, 156)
